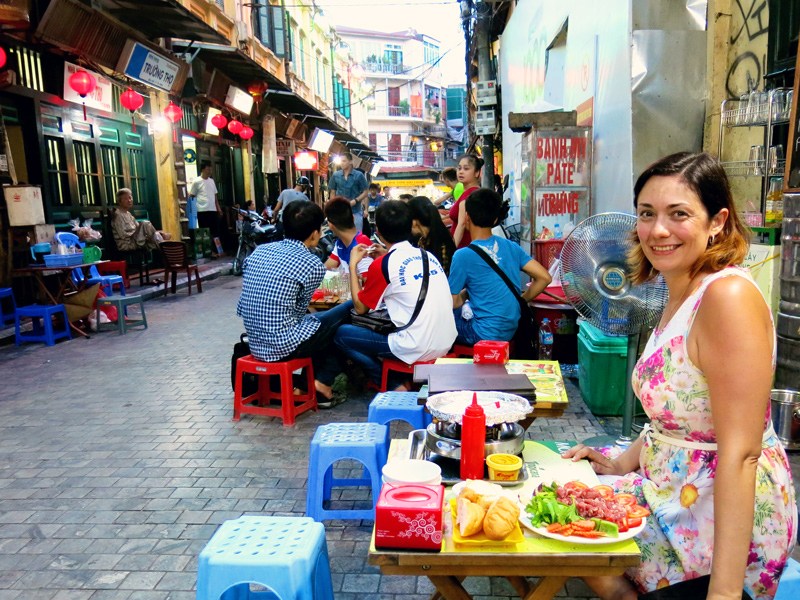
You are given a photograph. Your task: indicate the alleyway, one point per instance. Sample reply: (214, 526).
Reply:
(118, 460)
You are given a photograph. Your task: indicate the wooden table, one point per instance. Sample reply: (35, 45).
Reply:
(553, 562)
(321, 305)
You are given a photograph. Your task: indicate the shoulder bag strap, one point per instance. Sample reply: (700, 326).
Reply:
(423, 292)
(477, 250)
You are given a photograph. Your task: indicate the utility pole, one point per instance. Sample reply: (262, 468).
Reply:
(485, 74)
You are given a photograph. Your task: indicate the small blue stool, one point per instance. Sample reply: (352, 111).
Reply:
(402, 406)
(286, 555)
(365, 442)
(789, 584)
(42, 318)
(6, 315)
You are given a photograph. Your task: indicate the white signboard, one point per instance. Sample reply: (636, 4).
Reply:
(142, 64)
(239, 100)
(100, 98)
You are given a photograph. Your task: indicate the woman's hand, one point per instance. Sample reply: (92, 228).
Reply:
(600, 463)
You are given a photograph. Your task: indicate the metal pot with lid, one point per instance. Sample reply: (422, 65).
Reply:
(785, 406)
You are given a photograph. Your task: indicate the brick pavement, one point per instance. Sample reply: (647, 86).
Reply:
(118, 460)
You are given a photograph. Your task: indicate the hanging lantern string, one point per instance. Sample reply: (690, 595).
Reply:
(133, 101)
(174, 113)
(82, 83)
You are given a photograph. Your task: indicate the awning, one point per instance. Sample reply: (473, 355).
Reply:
(231, 61)
(161, 19)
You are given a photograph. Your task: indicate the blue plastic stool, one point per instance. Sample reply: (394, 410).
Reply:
(286, 555)
(402, 406)
(365, 442)
(107, 282)
(789, 584)
(7, 316)
(42, 318)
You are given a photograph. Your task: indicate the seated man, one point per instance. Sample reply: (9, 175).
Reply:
(298, 193)
(342, 225)
(128, 233)
(495, 310)
(395, 279)
(279, 279)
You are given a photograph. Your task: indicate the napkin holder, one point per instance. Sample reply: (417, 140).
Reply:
(409, 517)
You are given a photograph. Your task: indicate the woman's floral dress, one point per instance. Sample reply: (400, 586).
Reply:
(677, 482)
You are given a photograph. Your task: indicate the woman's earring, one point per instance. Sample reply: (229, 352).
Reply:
(711, 240)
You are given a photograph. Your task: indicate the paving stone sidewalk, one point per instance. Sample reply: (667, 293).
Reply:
(119, 459)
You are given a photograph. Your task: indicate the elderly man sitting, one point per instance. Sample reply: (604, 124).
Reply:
(130, 234)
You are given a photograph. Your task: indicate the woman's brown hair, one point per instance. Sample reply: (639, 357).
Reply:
(704, 175)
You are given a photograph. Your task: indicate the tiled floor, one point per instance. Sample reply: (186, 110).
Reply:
(118, 460)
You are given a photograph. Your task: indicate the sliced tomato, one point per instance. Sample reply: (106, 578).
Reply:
(555, 527)
(626, 499)
(583, 525)
(623, 524)
(637, 512)
(589, 534)
(633, 522)
(575, 485)
(606, 491)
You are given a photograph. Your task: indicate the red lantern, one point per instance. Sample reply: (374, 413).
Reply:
(2, 57)
(133, 101)
(174, 113)
(219, 121)
(246, 133)
(257, 89)
(82, 83)
(234, 126)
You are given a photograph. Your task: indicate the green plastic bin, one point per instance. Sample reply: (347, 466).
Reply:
(603, 361)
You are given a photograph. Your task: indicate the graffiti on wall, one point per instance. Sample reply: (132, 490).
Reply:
(750, 25)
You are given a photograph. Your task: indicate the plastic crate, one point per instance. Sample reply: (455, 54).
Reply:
(547, 251)
(63, 260)
(603, 362)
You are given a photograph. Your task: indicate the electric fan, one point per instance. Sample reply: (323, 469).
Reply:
(594, 275)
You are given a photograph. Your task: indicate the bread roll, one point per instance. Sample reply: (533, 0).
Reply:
(473, 496)
(469, 517)
(501, 518)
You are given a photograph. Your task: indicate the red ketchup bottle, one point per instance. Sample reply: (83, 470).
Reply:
(473, 440)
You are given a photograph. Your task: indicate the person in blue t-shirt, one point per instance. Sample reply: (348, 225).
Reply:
(495, 312)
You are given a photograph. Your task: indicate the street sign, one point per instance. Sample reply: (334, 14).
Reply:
(487, 93)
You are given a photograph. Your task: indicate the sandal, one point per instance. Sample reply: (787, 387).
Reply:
(328, 403)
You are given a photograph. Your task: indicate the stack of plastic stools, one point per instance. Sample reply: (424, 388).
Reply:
(8, 306)
(123, 321)
(364, 442)
(398, 406)
(288, 556)
(258, 403)
(42, 318)
(789, 584)
(393, 364)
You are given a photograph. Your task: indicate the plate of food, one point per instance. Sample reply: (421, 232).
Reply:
(579, 514)
(485, 520)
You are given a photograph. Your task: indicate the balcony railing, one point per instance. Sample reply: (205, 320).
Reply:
(404, 110)
(421, 156)
(380, 67)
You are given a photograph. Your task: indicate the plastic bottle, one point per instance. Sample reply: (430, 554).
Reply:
(557, 231)
(545, 340)
(473, 440)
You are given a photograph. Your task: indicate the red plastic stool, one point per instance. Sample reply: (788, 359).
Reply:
(291, 405)
(398, 366)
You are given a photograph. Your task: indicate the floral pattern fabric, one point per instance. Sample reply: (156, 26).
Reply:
(677, 483)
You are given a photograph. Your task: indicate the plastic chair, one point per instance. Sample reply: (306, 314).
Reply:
(258, 403)
(286, 555)
(398, 406)
(398, 366)
(42, 319)
(123, 322)
(364, 442)
(107, 282)
(7, 300)
(789, 584)
(176, 258)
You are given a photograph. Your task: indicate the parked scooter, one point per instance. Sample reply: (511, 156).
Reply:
(255, 230)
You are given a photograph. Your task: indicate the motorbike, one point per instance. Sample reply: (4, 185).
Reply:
(254, 230)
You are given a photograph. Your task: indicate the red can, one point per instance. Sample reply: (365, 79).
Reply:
(409, 517)
(488, 352)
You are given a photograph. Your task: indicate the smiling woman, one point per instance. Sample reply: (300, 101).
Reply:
(709, 455)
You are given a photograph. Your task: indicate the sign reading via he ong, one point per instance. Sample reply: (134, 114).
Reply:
(156, 70)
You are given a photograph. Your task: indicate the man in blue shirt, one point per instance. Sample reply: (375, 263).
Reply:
(279, 279)
(495, 310)
(350, 184)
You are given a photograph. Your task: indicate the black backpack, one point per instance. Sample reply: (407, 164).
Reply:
(249, 380)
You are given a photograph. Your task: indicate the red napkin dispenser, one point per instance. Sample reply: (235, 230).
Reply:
(489, 352)
(409, 517)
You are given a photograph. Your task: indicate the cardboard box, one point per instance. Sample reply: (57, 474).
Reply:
(409, 517)
(488, 352)
(764, 263)
(24, 204)
(40, 234)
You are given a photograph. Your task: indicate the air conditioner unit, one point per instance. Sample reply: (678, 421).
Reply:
(242, 34)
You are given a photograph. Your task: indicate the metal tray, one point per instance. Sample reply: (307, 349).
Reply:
(450, 466)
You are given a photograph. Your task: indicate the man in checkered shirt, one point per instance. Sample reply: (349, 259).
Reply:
(279, 279)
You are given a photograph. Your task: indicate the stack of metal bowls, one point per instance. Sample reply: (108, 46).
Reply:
(787, 371)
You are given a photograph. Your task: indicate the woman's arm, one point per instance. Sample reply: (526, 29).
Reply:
(739, 378)
(462, 223)
(627, 462)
